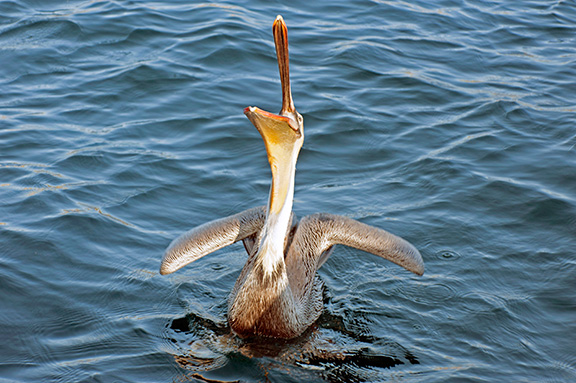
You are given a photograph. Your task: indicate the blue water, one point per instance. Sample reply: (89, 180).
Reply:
(449, 123)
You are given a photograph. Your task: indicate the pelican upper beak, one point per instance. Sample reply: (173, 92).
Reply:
(280, 32)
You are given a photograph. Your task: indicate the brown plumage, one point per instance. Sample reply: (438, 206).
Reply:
(278, 293)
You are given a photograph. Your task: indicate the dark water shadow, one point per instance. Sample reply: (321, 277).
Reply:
(329, 351)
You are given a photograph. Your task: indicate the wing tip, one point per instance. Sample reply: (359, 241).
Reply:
(419, 270)
(418, 267)
(168, 265)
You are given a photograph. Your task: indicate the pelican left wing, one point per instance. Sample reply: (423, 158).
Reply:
(211, 236)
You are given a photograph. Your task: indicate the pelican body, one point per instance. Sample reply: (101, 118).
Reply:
(278, 293)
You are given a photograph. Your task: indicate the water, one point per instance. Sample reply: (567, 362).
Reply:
(450, 124)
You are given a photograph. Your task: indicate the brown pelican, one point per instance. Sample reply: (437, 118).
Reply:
(278, 293)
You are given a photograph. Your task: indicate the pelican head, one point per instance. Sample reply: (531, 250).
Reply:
(283, 133)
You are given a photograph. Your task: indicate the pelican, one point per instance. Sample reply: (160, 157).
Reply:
(278, 293)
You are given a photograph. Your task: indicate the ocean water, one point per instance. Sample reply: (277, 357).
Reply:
(449, 123)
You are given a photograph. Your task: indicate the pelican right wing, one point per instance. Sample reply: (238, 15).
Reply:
(211, 236)
(317, 233)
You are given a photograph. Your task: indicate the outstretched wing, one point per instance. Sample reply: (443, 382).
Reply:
(211, 236)
(317, 233)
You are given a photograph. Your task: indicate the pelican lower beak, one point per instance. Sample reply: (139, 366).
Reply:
(261, 117)
(281, 134)
(283, 138)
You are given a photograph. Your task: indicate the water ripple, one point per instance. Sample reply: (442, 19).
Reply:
(450, 124)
